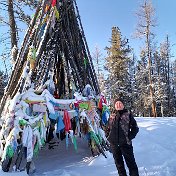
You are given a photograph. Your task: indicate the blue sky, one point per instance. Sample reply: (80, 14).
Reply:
(98, 16)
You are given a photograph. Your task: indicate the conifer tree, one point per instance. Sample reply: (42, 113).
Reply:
(98, 62)
(165, 53)
(117, 64)
(160, 84)
(173, 88)
(146, 21)
(142, 100)
(133, 87)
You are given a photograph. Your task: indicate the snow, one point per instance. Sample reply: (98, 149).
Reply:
(154, 149)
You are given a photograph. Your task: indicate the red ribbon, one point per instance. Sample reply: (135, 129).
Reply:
(53, 3)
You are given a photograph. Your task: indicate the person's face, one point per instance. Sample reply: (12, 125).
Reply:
(119, 105)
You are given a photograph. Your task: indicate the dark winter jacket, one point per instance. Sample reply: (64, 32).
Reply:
(123, 129)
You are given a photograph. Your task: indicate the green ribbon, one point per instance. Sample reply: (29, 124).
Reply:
(36, 149)
(85, 62)
(56, 12)
(94, 137)
(84, 105)
(105, 108)
(75, 143)
(34, 50)
(100, 138)
(22, 122)
(9, 151)
(43, 141)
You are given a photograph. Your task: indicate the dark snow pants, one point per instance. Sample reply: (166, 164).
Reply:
(125, 151)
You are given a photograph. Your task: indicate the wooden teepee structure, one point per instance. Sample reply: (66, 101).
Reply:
(54, 42)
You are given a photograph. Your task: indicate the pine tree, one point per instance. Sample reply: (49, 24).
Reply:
(133, 87)
(101, 81)
(165, 52)
(160, 84)
(173, 87)
(97, 58)
(142, 100)
(117, 64)
(98, 62)
(146, 22)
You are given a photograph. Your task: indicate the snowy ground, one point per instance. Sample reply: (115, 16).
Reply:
(154, 147)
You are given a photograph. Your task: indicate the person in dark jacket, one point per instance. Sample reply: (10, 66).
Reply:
(123, 128)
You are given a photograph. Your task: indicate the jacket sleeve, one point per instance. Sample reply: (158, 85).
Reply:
(134, 129)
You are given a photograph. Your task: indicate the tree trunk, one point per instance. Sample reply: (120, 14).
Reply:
(154, 114)
(162, 110)
(168, 75)
(12, 23)
(161, 102)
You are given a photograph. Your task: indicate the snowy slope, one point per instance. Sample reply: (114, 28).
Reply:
(154, 147)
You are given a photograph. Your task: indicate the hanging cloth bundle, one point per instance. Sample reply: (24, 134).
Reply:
(27, 142)
(32, 57)
(101, 101)
(56, 13)
(67, 121)
(67, 124)
(84, 105)
(54, 3)
(94, 137)
(66, 139)
(60, 124)
(42, 132)
(47, 7)
(9, 151)
(73, 139)
(105, 115)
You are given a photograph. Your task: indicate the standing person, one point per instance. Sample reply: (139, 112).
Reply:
(123, 128)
